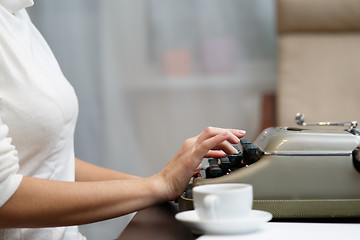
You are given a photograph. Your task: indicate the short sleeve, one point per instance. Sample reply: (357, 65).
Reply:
(9, 166)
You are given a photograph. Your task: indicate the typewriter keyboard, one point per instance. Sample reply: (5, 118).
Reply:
(225, 165)
(218, 167)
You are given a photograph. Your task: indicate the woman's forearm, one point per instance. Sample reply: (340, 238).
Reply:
(46, 203)
(85, 171)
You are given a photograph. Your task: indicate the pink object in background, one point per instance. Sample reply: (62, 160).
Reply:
(219, 54)
(177, 62)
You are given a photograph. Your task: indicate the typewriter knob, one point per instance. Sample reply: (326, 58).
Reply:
(356, 159)
(299, 119)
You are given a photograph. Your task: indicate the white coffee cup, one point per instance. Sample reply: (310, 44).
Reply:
(224, 201)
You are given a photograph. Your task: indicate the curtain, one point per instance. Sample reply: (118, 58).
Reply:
(149, 74)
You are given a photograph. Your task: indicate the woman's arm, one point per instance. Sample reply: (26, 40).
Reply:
(85, 171)
(46, 203)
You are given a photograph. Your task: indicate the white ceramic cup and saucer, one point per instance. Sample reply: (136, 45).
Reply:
(224, 208)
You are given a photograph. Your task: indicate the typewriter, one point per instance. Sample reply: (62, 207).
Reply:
(304, 172)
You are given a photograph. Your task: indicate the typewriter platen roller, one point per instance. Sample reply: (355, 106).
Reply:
(296, 172)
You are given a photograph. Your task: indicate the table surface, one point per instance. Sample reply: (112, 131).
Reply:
(158, 222)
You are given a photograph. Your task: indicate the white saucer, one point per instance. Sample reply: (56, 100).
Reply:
(253, 222)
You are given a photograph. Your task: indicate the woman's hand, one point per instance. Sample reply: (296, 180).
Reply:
(211, 143)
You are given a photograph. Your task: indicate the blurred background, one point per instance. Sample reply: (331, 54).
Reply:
(151, 73)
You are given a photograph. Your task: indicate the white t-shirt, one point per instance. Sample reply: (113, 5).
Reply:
(38, 112)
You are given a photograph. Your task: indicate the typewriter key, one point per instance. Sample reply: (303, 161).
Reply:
(214, 169)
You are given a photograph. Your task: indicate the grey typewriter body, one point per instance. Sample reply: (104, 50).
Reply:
(296, 172)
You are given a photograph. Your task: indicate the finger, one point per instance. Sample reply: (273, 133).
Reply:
(215, 154)
(223, 150)
(209, 132)
(227, 148)
(197, 170)
(203, 147)
(237, 132)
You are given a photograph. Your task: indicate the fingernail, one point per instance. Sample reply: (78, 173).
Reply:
(242, 132)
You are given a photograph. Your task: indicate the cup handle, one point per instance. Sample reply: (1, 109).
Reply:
(210, 202)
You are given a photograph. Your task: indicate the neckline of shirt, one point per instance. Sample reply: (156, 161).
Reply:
(14, 6)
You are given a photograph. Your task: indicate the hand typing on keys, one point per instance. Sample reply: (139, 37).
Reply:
(211, 143)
